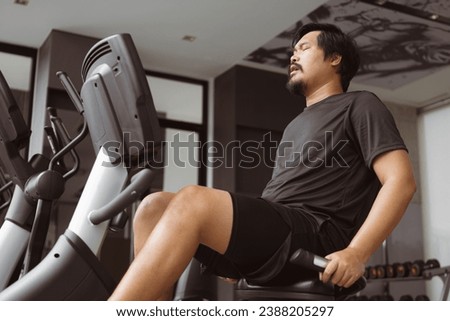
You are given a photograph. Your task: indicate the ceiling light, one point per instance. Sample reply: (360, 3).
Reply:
(21, 2)
(434, 16)
(189, 38)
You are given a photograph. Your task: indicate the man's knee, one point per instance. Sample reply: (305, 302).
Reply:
(190, 202)
(152, 205)
(198, 204)
(206, 210)
(192, 192)
(192, 196)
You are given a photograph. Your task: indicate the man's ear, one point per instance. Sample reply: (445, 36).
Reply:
(335, 59)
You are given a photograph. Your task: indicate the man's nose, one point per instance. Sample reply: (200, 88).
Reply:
(294, 59)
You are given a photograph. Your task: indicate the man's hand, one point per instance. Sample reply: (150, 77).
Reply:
(344, 268)
(394, 170)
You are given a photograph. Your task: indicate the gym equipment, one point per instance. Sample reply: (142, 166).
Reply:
(310, 289)
(372, 272)
(380, 271)
(409, 297)
(115, 99)
(193, 285)
(362, 297)
(38, 182)
(422, 297)
(389, 271)
(381, 297)
(388, 297)
(415, 271)
(5, 191)
(402, 269)
(419, 266)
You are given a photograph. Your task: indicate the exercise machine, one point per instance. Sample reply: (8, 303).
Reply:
(5, 191)
(309, 289)
(115, 99)
(37, 183)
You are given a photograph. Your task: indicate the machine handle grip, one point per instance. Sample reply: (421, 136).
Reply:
(71, 90)
(309, 260)
(139, 184)
(317, 263)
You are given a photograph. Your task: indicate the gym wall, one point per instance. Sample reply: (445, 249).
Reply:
(434, 133)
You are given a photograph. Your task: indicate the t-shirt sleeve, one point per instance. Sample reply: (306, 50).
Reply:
(373, 127)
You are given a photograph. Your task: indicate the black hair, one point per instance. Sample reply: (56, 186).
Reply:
(332, 40)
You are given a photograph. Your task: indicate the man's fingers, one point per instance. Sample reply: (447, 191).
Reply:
(349, 282)
(343, 269)
(337, 275)
(329, 271)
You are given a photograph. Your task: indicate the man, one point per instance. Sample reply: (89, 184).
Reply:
(341, 184)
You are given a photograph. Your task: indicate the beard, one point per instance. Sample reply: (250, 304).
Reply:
(296, 87)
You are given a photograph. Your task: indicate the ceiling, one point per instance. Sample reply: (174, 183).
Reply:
(226, 32)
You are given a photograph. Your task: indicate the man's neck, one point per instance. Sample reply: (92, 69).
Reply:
(325, 91)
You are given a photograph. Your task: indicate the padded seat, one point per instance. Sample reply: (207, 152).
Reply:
(309, 289)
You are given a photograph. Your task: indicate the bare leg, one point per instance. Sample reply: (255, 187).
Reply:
(194, 215)
(146, 217)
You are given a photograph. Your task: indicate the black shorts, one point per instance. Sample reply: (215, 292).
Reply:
(264, 235)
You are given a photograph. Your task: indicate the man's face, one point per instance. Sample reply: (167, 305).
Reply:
(307, 69)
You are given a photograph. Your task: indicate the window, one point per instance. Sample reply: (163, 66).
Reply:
(181, 104)
(17, 64)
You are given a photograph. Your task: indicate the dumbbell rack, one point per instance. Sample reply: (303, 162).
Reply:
(442, 272)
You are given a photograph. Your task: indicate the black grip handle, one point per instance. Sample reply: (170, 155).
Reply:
(140, 183)
(317, 263)
(309, 260)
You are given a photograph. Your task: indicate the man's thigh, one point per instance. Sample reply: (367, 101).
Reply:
(258, 232)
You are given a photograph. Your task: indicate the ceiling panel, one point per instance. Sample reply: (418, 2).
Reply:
(396, 48)
(405, 58)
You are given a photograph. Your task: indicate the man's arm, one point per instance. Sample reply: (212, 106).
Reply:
(395, 173)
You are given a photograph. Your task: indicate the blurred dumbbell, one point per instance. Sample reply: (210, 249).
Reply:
(406, 297)
(422, 297)
(390, 271)
(402, 269)
(358, 298)
(419, 266)
(381, 271)
(372, 272)
(432, 264)
(388, 297)
(381, 297)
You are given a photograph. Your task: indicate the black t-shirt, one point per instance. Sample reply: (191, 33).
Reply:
(324, 160)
